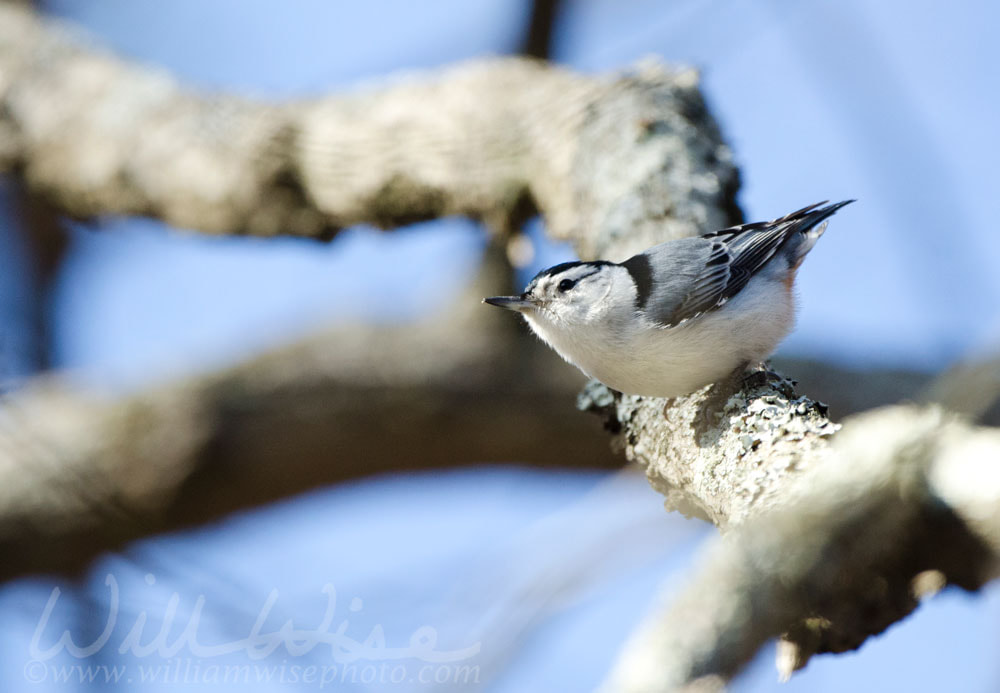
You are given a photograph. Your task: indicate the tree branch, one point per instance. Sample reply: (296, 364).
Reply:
(488, 140)
(537, 42)
(616, 164)
(82, 474)
(46, 242)
(906, 501)
(724, 452)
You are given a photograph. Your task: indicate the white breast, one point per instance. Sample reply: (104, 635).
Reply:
(667, 362)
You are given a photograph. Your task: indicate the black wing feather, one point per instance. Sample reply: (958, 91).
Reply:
(738, 253)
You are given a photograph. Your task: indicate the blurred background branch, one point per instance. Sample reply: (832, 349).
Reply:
(45, 241)
(84, 474)
(99, 136)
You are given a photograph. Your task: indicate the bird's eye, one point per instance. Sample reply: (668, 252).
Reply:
(566, 284)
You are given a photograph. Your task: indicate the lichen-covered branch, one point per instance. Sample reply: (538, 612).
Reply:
(906, 500)
(724, 452)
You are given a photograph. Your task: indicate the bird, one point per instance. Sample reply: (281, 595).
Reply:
(681, 315)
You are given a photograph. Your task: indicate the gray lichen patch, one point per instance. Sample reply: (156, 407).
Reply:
(717, 452)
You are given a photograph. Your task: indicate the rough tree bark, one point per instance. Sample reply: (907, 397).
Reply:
(904, 501)
(614, 163)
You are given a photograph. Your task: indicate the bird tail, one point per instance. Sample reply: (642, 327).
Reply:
(809, 223)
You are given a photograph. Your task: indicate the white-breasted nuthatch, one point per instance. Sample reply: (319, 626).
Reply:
(680, 315)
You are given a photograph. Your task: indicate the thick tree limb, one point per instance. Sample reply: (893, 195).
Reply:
(719, 454)
(489, 140)
(82, 474)
(908, 500)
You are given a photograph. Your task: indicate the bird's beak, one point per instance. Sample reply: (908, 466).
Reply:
(518, 303)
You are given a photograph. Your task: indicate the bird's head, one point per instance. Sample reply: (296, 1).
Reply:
(567, 295)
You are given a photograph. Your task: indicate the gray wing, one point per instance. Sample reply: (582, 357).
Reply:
(680, 280)
(676, 278)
